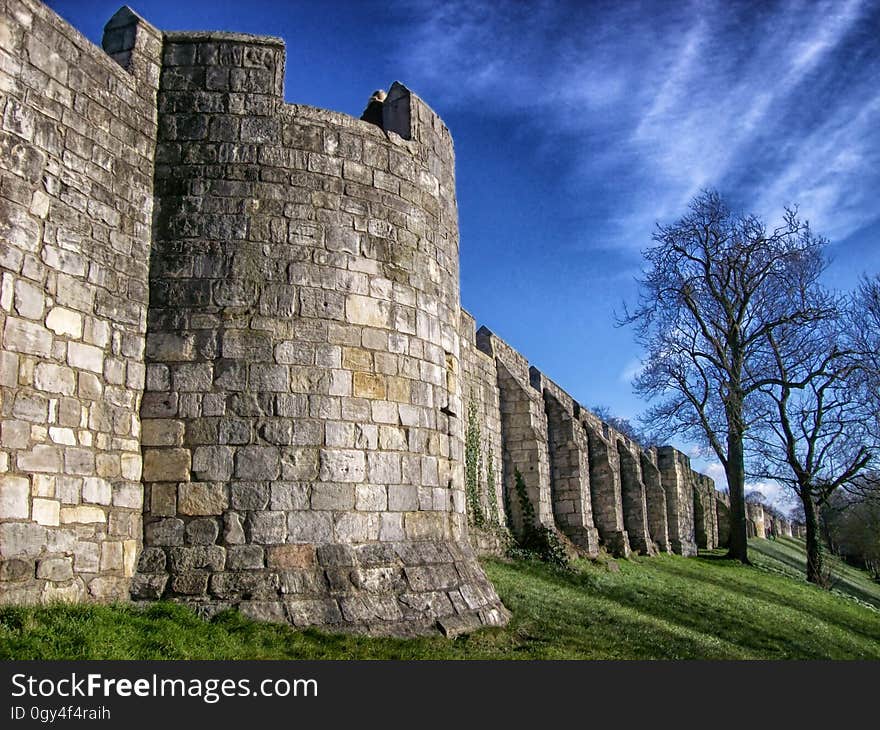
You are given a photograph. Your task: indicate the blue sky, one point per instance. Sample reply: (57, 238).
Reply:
(580, 125)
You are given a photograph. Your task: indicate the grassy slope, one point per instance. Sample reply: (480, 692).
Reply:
(787, 556)
(657, 608)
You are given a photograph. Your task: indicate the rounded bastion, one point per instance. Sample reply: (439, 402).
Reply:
(302, 425)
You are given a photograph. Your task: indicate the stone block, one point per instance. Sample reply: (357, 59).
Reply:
(367, 311)
(326, 496)
(186, 559)
(54, 379)
(303, 612)
(257, 463)
(129, 495)
(384, 468)
(16, 570)
(267, 528)
(55, 569)
(233, 529)
(202, 498)
(371, 498)
(161, 432)
(96, 490)
(166, 465)
(403, 498)
(65, 322)
(367, 385)
(168, 531)
(21, 539)
(14, 497)
(85, 357)
(152, 560)
(190, 584)
(46, 512)
(203, 531)
(148, 587)
(40, 459)
(338, 465)
(82, 515)
(289, 496)
(309, 527)
(249, 496)
(20, 335)
(432, 577)
(212, 463)
(354, 527)
(290, 557)
(86, 557)
(269, 611)
(111, 556)
(129, 557)
(245, 557)
(109, 588)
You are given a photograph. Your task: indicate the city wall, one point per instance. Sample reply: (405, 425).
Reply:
(234, 367)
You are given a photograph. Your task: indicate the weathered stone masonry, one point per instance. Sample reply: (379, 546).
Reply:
(77, 144)
(235, 370)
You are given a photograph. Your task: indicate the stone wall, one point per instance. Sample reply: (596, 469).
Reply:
(76, 178)
(676, 476)
(483, 413)
(584, 479)
(705, 512)
(568, 452)
(235, 370)
(523, 431)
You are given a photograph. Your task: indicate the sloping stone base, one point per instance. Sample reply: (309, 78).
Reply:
(404, 588)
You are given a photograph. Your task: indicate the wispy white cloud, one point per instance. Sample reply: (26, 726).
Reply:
(774, 103)
(774, 494)
(631, 370)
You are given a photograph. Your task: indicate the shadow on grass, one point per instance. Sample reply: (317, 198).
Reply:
(580, 617)
(758, 625)
(845, 578)
(743, 585)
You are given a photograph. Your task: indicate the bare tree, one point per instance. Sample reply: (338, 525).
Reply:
(816, 435)
(865, 328)
(623, 425)
(716, 284)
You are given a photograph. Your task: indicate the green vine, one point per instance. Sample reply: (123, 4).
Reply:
(535, 540)
(472, 465)
(493, 496)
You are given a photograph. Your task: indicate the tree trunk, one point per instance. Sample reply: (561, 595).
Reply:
(738, 546)
(814, 543)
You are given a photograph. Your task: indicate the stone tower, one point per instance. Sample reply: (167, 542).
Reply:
(302, 418)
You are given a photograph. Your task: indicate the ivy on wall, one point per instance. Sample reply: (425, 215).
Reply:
(535, 539)
(473, 465)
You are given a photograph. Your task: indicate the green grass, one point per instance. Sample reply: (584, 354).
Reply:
(787, 556)
(653, 608)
